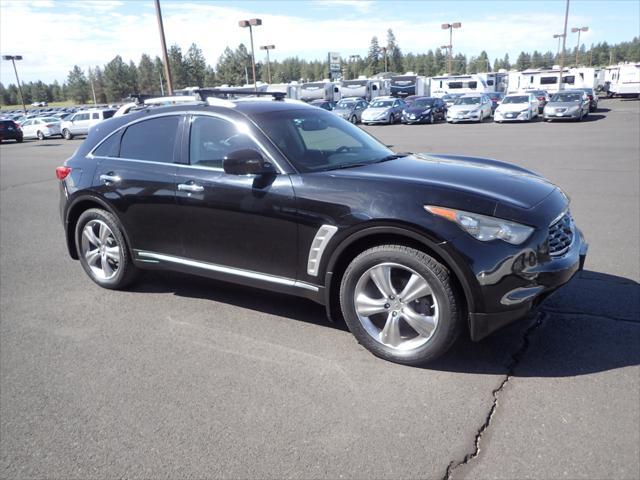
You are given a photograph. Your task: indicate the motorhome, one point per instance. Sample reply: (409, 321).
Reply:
(472, 83)
(409, 84)
(549, 79)
(363, 88)
(623, 80)
(323, 90)
(291, 90)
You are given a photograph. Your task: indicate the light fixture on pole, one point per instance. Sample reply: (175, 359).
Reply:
(446, 51)
(163, 44)
(450, 27)
(254, 22)
(13, 59)
(558, 36)
(267, 48)
(578, 30)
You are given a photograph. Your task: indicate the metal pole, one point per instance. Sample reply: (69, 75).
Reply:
(253, 60)
(578, 49)
(268, 67)
(564, 41)
(558, 49)
(24, 107)
(450, 49)
(93, 91)
(167, 68)
(385, 61)
(161, 84)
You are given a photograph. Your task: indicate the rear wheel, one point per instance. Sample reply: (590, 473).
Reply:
(102, 249)
(399, 304)
(353, 119)
(40, 135)
(66, 134)
(19, 139)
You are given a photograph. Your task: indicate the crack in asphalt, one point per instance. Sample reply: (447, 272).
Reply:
(596, 315)
(515, 360)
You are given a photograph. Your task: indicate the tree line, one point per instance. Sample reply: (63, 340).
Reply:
(118, 79)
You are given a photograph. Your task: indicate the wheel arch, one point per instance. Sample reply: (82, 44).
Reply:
(77, 208)
(356, 243)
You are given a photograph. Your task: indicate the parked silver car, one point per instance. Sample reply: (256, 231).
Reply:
(567, 105)
(384, 110)
(81, 121)
(471, 107)
(351, 109)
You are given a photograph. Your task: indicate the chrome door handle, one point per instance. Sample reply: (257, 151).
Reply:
(190, 187)
(110, 178)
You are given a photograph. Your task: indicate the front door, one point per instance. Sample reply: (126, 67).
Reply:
(233, 222)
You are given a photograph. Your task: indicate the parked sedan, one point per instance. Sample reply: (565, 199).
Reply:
(350, 109)
(567, 105)
(424, 110)
(450, 98)
(542, 96)
(471, 107)
(520, 107)
(383, 110)
(593, 98)
(410, 249)
(324, 104)
(10, 130)
(41, 128)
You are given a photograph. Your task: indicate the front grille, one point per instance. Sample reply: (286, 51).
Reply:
(561, 110)
(560, 235)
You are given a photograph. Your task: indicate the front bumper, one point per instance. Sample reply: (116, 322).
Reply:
(511, 117)
(463, 117)
(553, 115)
(384, 119)
(408, 119)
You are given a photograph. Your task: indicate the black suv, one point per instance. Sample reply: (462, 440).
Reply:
(10, 130)
(408, 248)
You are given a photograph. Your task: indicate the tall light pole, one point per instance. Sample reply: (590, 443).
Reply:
(446, 50)
(564, 44)
(574, 30)
(93, 90)
(450, 27)
(167, 68)
(13, 59)
(354, 58)
(254, 22)
(384, 53)
(558, 36)
(267, 48)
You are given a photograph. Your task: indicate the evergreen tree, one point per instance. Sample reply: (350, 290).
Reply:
(523, 62)
(116, 76)
(147, 78)
(159, 77)
(373, 57)
(177, 66)
(394, 54)
(195, 66)
(210, 77)
(77, 85)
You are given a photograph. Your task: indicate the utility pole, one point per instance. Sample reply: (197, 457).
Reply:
(450, 27)
(167, 68)
(558, 36)
(267, 48)
(564, 41)
(13, 59)
(93, 90)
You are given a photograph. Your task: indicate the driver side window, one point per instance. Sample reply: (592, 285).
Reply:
(212, 139)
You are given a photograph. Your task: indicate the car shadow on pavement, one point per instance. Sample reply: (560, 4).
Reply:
(592, 324)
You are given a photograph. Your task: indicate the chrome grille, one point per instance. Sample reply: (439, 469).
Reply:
(560, 235)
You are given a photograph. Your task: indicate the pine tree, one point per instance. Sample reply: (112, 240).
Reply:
(178, 70)
(373, 57)
(147, 78)
(195, 66)
(116, 76)
(394, 54)
(77, 85)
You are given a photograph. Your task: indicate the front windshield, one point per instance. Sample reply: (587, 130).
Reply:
(50, 119)
(467, 101)
(516, 99)
(423, 102)
(381, 104)
(566, 97)
(346, 104)
(315, 140)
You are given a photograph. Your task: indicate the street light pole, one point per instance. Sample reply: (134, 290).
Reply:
(354, 58)
(450, 27)
(267, 48)
(254, 22)
(384, 53)
(574, 30)
(558, 36)
(564, 43)
(163, 43)
(13, 59)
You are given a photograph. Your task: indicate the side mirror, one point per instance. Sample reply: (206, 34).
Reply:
(246, 162)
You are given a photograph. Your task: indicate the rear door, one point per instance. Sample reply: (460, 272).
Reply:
(136, 173)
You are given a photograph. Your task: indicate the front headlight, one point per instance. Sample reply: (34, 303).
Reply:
(482, 227)
(526, 110)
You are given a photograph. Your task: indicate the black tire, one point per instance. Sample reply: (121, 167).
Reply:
(40, 135)
(436, 275)
(353, 119)
(391, 119)
(19, 139)
(126, 270)
(66, 134)
(431, 119)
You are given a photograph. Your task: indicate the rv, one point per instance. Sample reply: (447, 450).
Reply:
(325, 90)
(549, 79)
(291, 90)
(623, 80)
(363, 88)
(409, 84)
(473, 83)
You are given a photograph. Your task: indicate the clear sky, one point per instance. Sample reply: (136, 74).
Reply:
(53, 35)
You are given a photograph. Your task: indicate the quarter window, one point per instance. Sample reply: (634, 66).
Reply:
(152, 140)
(213, 138)
(95, 116)
(109, 148)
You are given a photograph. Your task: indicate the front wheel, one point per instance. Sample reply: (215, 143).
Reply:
(353, 119)
(102, 249)
(40, 135)
(66, 134)
(399, 304)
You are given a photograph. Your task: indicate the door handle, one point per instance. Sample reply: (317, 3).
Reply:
(190, 187)
(110, 178)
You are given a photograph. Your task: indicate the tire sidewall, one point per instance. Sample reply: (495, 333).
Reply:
(447, 308)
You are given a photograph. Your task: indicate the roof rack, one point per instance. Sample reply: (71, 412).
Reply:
(226, 93)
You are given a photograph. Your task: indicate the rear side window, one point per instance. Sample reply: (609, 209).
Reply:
(548, 80)
(108, 114)
(152, 140)
(110, 147)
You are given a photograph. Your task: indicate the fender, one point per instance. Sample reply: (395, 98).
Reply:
(437, 247)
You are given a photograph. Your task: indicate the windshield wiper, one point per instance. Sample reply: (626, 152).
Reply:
(393, 157)
(364, 164)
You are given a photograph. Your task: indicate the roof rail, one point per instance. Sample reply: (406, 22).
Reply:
(227, 93)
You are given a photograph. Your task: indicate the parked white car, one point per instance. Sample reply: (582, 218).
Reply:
(471, 107)
(80, 122)
(41, 128)
(517, 108)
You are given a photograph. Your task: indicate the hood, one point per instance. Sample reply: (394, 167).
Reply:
(376, 111)
(563, 104)
(462, 108)
(475, 181)
(342, 110)
(513, 107)
(416, 110)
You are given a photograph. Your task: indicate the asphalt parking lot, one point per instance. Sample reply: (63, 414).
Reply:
(187, 377)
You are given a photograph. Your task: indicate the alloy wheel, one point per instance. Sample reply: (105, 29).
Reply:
(396, 306)
(101, 250)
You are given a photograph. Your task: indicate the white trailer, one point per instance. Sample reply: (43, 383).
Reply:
(291, 90)
(473, 83)
(363, 88)
(328, 91)
(623, 80)
(549, 79)
(409, 84)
